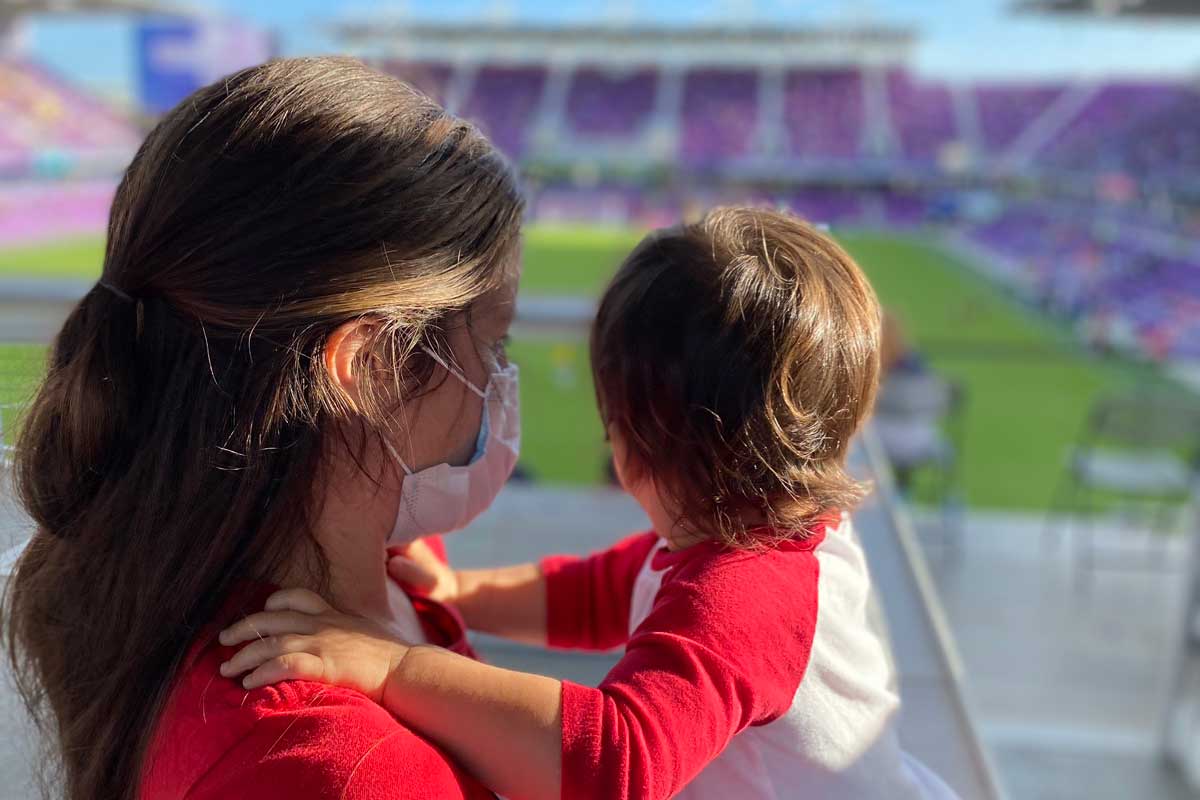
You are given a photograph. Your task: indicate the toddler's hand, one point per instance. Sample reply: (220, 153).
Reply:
(301, 637)
(417, 566)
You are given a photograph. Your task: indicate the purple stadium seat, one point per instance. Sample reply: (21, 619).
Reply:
(1097, 138)
(42, 114)
(606, 104)
(504, 102)
(720, 114)
(824, 113)
(37, 212)
(1005, 111)
(827, 205)
(1093, 271)
(432, 78)
(922, 116)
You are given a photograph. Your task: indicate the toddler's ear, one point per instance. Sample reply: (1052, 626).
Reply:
(632, 476)
(620, 454)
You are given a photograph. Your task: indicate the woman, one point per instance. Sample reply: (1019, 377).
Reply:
(309, 276)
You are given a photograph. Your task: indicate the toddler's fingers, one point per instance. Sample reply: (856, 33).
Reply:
(267, 623)
(297, 600)
(256, 653)
(419, 552)
(406, 570)
(289, 667)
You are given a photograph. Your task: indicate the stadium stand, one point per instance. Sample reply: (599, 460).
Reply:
(833, 206)
(51, 130)
(826, 136)
(604, 103)
(432, 78)
(720, 109)
(51, 125)
(1123, 291)
(825, 113)
(1167, 144)
(923, 117)
(35, 212)
(503, 101)
(905, 209)
(1092, 140)
(1006, 110)
(725, 114)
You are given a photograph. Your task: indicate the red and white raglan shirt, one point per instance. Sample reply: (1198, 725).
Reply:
(746, 674)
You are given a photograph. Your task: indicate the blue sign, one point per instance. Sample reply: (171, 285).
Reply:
(176, 56)
(163, 78)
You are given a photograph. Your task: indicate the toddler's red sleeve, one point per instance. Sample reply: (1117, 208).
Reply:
(588, 598)
(723, 648)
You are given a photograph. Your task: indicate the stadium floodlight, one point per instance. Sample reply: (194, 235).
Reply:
(1113, 8)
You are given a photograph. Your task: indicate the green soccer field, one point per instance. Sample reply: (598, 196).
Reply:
(1028, 385)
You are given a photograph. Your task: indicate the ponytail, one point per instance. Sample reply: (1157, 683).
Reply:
(89, 375)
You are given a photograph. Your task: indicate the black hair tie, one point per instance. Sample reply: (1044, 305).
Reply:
(126, 297)
(123, 295)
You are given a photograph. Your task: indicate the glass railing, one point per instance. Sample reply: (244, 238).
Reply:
(936, 722)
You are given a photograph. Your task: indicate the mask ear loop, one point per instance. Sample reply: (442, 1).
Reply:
(396, 456)
(453, 371)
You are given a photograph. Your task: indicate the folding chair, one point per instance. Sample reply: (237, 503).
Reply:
(1138, 455)
(919, 417)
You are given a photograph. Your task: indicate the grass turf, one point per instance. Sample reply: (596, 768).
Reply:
(70, 258)
(20, 366)
(559, 260)
(573, 260)
(1028, 385)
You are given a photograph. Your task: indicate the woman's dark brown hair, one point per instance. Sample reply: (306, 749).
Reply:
(735, 357)
(173, 447)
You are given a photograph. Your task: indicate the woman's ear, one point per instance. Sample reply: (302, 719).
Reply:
(342, 356)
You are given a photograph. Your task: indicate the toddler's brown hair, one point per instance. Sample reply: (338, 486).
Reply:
(736, 357)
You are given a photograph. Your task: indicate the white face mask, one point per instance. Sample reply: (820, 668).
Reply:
(442, 498)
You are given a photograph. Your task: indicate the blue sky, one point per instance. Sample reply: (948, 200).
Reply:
(959, 39)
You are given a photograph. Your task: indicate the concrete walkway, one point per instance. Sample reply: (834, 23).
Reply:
(1068, 681)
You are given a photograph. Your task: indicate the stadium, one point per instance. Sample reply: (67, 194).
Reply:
(1033, 240)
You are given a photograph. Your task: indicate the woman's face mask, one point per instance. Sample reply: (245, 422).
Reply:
(443, 498)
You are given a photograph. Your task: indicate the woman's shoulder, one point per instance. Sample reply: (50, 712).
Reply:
(297, 739)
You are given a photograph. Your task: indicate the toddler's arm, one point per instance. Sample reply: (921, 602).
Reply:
(716, 655)
(565, 601)
(506, 601)
(588, 599)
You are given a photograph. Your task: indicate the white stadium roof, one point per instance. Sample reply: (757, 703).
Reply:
(13, 8)
(623, 45)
